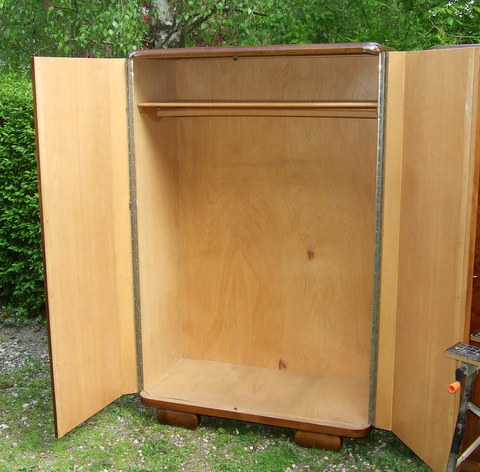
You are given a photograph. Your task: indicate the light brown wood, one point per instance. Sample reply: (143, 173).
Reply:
(256, 235)
(333, 78)
(155, 81)
(178, 418)
(158, 114)
(255, 232)
(318, 440)
(158, 223)
(293, 109)
(259, 104)
(276, 241)
(435, 244)
(390, 234)
(335, 402)
(83, 163)
(458, 352)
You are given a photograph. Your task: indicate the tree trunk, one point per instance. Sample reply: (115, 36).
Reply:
(164, 27)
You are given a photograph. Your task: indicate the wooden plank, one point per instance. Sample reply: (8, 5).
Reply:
(464, 353)
(84, 185)
(320, 78)
(260, 104)
(390, 236)
(158, 114)
(294, 109)
(271, 396)
(437, 226)
(259, 51)
(276, 242)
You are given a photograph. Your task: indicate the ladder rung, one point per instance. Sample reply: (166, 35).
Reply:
(475, 336)
(465, 353)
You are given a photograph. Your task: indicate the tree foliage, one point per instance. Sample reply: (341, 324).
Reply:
(101, 28)
(401, 24)
(68, 28)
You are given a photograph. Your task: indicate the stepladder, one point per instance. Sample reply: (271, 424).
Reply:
(466, 375)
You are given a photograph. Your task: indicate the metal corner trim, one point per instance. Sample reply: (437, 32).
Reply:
(133, 221)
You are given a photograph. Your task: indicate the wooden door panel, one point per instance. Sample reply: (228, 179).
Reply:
(81, 122)
(435, 242)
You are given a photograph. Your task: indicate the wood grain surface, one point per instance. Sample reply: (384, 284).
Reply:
(276, 238)
(256, 234)
(436, 243)
(278, 397)
(84, 186)
(335, 78)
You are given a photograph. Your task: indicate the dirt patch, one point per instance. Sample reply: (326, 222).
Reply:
(20, 344)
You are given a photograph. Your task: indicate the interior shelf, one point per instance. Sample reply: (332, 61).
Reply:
(359, 109)
(271, 396)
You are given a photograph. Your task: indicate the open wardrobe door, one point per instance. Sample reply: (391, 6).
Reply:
(82, 142)
(427, 309)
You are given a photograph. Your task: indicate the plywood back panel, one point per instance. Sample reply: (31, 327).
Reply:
(154, 80)
(84, 181)
(276, 241)
(439, 180)
(278, 78)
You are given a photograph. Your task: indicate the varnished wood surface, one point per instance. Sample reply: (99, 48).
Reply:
(83, 164)
(318, 440)
(259, 104)
(435, 244)
(178, 418)
(470, 466)
(295, 109)
(475, 316)
(247, 51)
(157, 114)
(271, 396)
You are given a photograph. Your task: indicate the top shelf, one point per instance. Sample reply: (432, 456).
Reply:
(357, 109)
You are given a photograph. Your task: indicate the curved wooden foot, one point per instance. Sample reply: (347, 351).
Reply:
(178, 418)
(318, 440)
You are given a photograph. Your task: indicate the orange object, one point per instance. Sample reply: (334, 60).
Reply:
(453, 387)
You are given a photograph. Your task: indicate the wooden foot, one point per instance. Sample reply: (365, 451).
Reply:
(318, 440)
(470, 466)
(178, 418)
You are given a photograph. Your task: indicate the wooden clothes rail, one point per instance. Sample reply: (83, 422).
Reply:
(360, 109)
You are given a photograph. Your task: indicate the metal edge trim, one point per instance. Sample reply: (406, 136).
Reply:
(378, 236)
(133, 221)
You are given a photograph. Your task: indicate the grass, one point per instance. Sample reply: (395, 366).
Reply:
(125, 437)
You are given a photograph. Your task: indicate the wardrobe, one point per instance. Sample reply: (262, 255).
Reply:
(275, 234)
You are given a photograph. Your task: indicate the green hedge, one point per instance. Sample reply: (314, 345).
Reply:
(21, 268)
